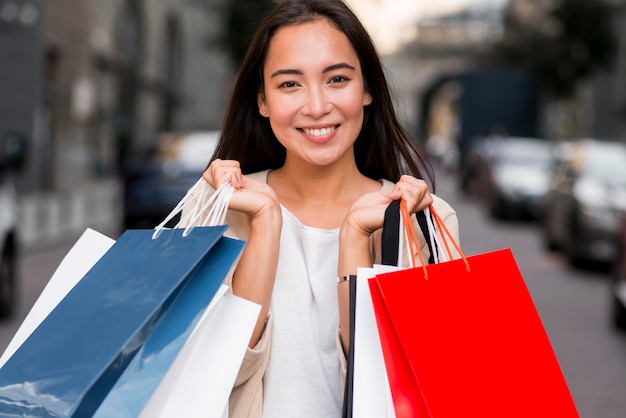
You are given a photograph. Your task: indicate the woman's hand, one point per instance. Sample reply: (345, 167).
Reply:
(251, 197)
(366, 214)
(413, 191)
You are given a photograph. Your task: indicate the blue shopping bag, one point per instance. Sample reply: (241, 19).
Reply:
(72, 360)
(148, 367)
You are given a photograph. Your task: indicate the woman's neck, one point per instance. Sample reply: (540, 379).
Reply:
(320, 196)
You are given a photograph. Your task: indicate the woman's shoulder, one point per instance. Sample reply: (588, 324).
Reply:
(259, 175)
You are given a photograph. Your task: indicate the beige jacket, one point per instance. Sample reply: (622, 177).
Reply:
(246, 400)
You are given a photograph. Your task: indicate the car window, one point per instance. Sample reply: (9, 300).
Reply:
(607, 164)
(190, 152)
(195, 151)
(525, 152)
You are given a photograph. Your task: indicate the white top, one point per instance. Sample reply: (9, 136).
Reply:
(303, 374)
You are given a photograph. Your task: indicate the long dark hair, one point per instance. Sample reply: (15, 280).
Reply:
(383, 148)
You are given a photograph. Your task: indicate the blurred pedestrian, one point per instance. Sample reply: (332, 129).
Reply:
(316, 154)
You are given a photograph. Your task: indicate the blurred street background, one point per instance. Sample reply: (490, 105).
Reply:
(109, 109)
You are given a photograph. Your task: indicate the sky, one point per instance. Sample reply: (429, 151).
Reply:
(392, 22)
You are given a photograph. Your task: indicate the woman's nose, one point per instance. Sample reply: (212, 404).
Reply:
(317, 103)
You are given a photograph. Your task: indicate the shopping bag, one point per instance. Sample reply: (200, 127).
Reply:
(81, 257)
(199, 382)
(191, 312)
(473, 338)
(189, 362)
(71, 361)
(347, 410)
(369, 393)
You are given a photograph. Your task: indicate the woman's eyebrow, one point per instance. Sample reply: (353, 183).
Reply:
(287, 71)
(341, 65)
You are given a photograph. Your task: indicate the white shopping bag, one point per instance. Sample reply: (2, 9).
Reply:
(371, 390)
(199, 382)
(87, 250)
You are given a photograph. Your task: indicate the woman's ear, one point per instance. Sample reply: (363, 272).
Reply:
(367, 99)
(262, 105)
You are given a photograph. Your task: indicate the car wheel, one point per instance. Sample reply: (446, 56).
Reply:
(495, 208)
(8, 270)
(572, 252)
(618, 314)
(618, 310)
(549, 242)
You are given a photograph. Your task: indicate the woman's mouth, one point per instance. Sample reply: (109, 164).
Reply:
(320, 132)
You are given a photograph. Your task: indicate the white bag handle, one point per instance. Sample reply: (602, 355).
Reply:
(212, 204)
(435, 241)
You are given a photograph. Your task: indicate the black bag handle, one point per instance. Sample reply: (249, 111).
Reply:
(391, 234)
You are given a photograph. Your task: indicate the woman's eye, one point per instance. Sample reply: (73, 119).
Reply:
(339, 79)
(288, 84)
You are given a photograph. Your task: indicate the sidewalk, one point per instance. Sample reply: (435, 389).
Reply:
(48, 218)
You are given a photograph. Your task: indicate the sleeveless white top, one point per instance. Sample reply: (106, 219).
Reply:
(303, 375)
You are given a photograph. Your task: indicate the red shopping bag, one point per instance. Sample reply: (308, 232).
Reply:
(473, 339)
(408, 400)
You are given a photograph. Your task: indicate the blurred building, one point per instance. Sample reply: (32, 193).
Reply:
(86, 81)
(599, 106)
(89, 81)
(426, 72)
(605, 95)
(429, 75)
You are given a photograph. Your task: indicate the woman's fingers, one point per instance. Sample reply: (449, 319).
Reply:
(252, 197)
(414, 191)
(223, 171)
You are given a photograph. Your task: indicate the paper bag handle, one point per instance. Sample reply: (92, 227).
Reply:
(210, 204)
(392, 239)
(397, 227)
(444, 232)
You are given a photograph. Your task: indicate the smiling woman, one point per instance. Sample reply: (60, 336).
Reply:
(312, 144)
(316, 97)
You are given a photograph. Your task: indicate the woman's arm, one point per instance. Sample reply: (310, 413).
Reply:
(365, 216)
(254, 275)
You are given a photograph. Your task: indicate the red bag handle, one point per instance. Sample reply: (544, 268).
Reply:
(413, 242)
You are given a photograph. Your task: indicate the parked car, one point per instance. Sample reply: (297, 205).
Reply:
(618, 283)
(474, 175)
(155, 183)
(11, 159)
(518, 178)
(585, 200)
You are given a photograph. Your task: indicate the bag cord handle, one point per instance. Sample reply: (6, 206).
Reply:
(210, 204)
(397, 227)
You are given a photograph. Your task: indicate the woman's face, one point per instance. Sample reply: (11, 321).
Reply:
(314, 92)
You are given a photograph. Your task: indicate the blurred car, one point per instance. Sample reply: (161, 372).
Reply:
(11, 159)
(509, 173)
(474, 175)
(618, 283)
(585, 200)
(155, 183)
(518, 178)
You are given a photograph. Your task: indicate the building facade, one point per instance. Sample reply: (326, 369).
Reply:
(102, 79)
(88, 82)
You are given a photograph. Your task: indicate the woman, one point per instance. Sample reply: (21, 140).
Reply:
(314, 149)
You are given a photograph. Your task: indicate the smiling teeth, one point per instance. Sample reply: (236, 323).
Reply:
(319, 132)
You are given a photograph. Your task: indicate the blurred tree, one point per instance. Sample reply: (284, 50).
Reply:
(571, 41)
(241, 18)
